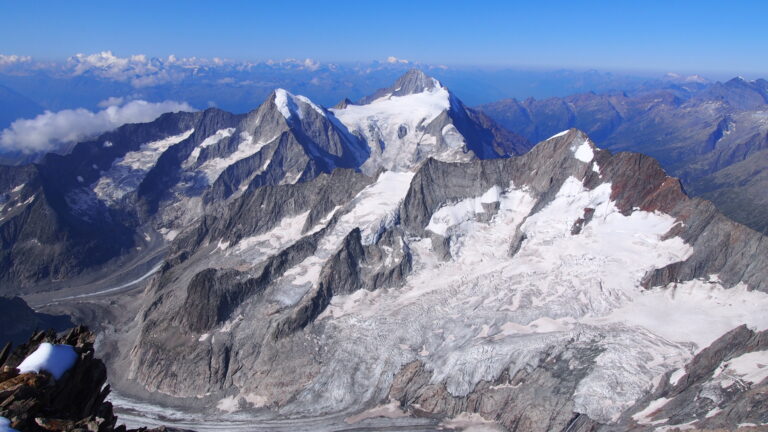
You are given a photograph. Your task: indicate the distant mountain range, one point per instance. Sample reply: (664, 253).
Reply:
(714, 137)
(83, 81)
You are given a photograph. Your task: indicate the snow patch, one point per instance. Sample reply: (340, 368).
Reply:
(465, 210)
(390, 410)
(247, 147)
(168, 234)
(211, 140)
(55, 359)
(559, 134)
(257, 248)
(751, 368)
(288, 104)
(145, 158)
(695, 311)
(584, 152)
(676, 376)
(644, 417)
(126, 173)
(229, 404)
(453, 137)
(713, 412)
(472, 422)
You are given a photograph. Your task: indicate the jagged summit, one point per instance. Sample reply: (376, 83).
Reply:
(412, 82)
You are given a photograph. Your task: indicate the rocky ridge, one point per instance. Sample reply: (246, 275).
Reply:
(713, 137)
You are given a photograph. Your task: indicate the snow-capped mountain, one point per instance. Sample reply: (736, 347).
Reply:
(162, 176)
(397, 258)
(417, 118)
(528, 290)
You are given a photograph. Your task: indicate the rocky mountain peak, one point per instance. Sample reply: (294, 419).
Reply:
(412, 82)
(343, 103)
(291, 105)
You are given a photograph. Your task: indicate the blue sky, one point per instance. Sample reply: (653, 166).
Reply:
(682, 36)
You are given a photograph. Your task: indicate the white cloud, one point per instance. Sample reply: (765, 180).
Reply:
(393, 59)
(49, 130)
(112, 101)
(311, 65)
(138, 69)
(6, 60)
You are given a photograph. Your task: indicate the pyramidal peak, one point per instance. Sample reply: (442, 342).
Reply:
(412, 82)
(289, 104)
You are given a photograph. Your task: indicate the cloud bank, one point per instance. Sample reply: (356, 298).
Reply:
(50, 130)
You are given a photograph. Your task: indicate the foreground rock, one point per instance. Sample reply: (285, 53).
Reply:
(75, 402)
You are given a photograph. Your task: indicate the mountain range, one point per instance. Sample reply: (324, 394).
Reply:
(399, 262)
(87, 80)
(712, 136)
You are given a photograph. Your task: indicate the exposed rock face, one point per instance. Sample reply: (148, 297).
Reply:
(711, 391)
(531, 400)
(713, 137)
(414, 81)
(74, 402)
(53, 226)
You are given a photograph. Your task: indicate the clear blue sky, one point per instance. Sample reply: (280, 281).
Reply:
(685, 36)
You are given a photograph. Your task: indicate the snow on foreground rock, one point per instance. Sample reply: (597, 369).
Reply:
(71, 398)
(54, 359)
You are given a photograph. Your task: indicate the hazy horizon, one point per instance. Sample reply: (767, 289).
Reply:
(653, 37)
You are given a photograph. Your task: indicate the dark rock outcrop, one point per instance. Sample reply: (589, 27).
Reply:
(18, 321)
(76, 401)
